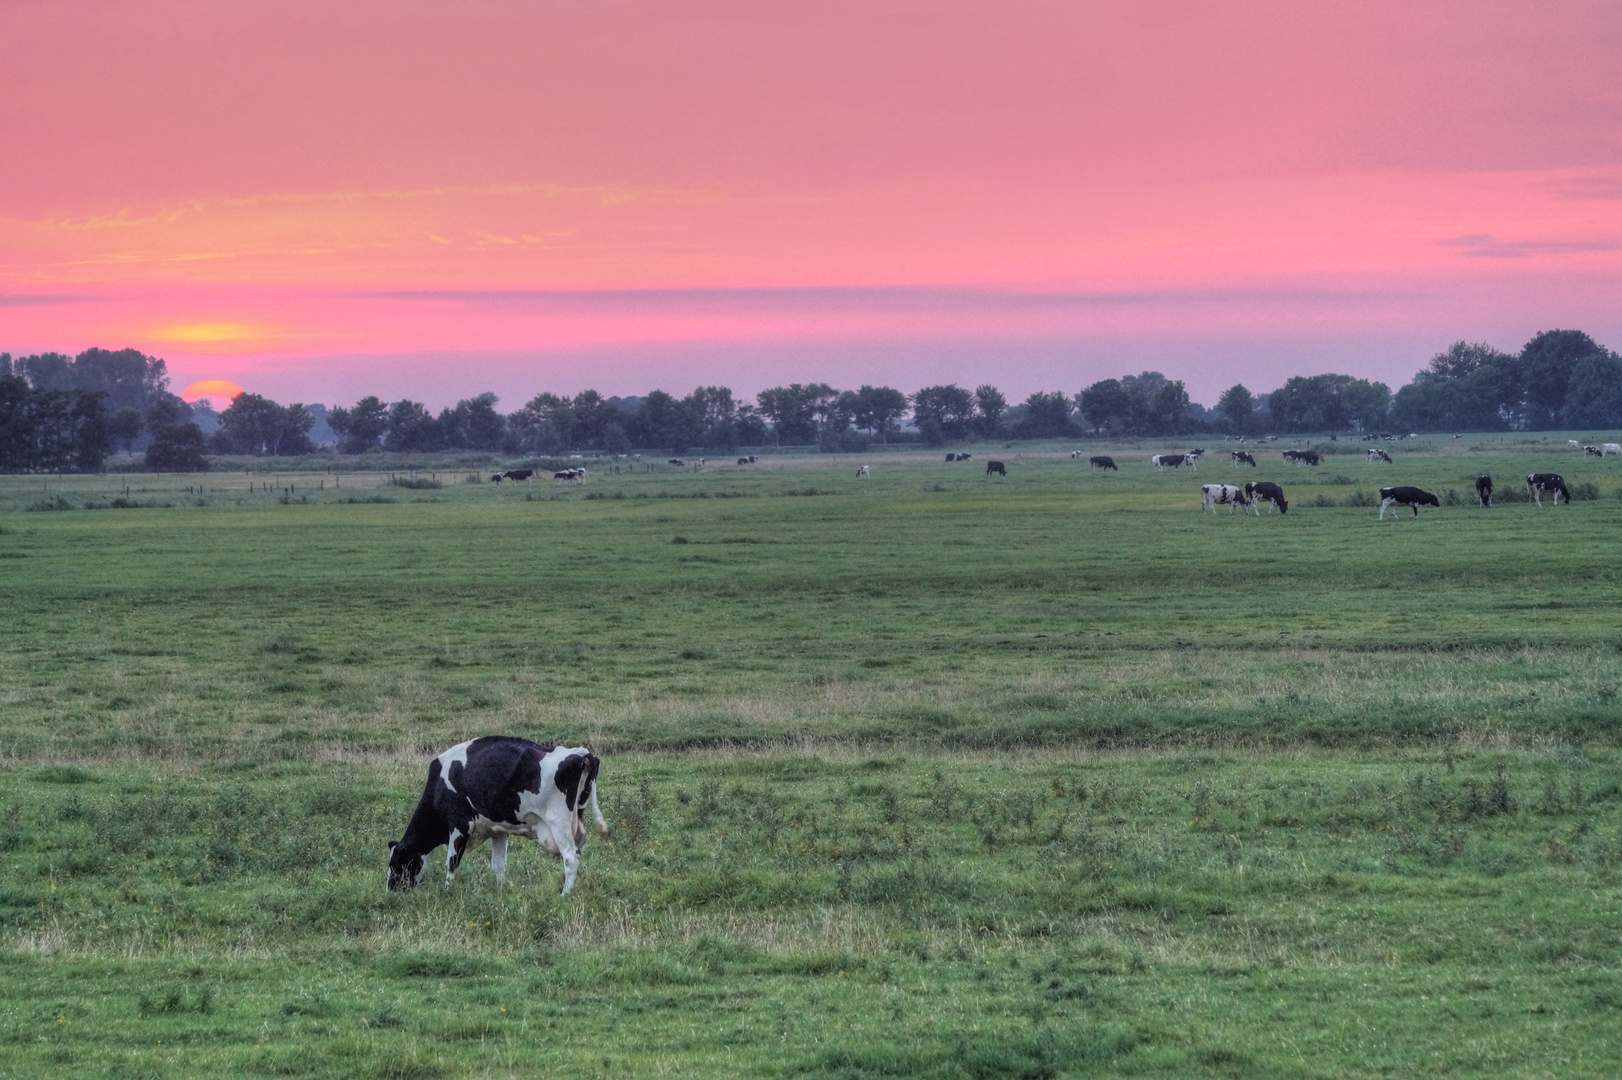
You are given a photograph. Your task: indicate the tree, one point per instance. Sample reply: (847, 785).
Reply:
(1594, 394)
(1237, 407)
(877, 409)
(176, 448)
(1463, 357)
(412, 428)
(592, 417)
(1546, 365)
(258, 426)
(1168, 408)
(473, 424)
(360, 428)
(943, 412)
(714, 416)
(1106, 405)
(797, 411)
(989, 409)
(665, 422)
(125, 427)
(1366, 404)
(543, 426)
(1045, 416)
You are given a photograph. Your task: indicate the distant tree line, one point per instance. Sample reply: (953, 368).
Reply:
(67, 414)
(60, 413)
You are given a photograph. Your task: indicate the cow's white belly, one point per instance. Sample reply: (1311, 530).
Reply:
(482, 829)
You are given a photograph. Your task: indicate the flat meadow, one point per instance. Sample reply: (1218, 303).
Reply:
(926, 774)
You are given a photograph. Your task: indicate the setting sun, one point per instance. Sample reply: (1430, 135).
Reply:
(210, 388)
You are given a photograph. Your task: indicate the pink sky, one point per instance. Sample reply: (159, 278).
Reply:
(423, 199)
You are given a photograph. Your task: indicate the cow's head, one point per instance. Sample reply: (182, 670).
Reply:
(405, 867)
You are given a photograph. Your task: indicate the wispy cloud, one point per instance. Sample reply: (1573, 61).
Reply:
(1488, 246)
(858, 298)
(605, 195)
(43, 299)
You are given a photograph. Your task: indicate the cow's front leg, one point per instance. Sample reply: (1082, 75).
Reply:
(498, 858)
(455, 847)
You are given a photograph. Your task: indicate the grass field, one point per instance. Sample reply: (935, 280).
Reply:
(931, 774)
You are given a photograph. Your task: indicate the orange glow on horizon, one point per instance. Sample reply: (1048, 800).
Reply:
(210, 388)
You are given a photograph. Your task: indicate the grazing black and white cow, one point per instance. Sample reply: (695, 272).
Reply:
(1242, 457)
(1379, 455)
(1160, 461)
(518, 474)
(494, 787)
(1484, 489)
(1301, 457)
(861, 472)
(576, 475)
(1547, 483)
(963, 457)
(1214, 495)
(1264, 491)
(495, 478)
(1411, 497)
(996, 467)
(676, 461)
(1195, 454)
(743, 461)
(1102, 461)
(1593, 451)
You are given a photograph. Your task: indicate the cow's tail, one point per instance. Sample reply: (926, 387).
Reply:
(602, 826)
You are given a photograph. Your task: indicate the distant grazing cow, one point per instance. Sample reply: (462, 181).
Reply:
(494, 787)
(1574, 444)
(1301, 457)
(1214, 495)
(1379, 455)
(675, 461)
(963, 457)
(1160, 461)
(1411, 497)
(1102, 461)
(518, 474)
(1484, 489)
(1074, 454)
(1547, 483)
(577, 476)
(1593, 451)
(1268, 493)
(1195, 454)
(951, 457)
(861, 471)
(1610, 448)
(1242, 457)
(743, 461)
(495, 478)
(996, 467)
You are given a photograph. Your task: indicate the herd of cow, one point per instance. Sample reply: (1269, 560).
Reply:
(1251, 494)
(576, 475)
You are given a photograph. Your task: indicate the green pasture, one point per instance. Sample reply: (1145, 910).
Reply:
(927, 774)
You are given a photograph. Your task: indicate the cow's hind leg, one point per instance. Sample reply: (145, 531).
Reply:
(498, 858)
(559, 826)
